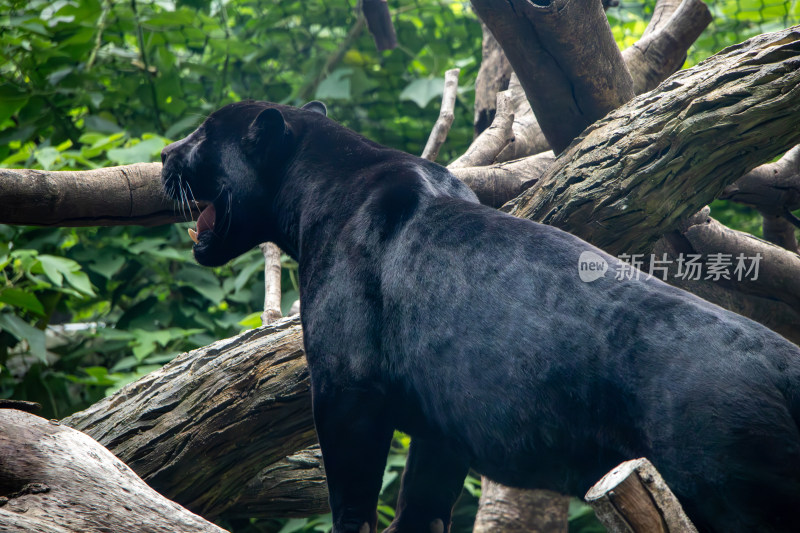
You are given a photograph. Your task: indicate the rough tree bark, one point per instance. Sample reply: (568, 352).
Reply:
(129, 195)
(57, 480)
(214, 426)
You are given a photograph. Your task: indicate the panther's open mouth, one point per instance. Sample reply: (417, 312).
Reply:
(205, 222)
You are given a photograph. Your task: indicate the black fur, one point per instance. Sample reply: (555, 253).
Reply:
(470, 330)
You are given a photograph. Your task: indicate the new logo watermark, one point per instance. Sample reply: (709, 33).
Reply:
(591, 266)
(714, 267)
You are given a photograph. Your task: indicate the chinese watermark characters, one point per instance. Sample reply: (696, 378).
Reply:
(711, 267)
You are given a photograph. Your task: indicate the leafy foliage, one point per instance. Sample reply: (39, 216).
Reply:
(93, 83)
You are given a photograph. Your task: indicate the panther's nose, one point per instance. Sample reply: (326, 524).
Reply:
(164, 154)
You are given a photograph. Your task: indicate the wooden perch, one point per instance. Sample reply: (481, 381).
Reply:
(660, 158)
(662, 50)
(633, 498)
(446, 115)
(772, 297)
(202, 428)
(497, 184)
(55, 479)
(488, 144)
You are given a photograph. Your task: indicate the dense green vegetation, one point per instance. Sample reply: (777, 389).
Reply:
(92, 83)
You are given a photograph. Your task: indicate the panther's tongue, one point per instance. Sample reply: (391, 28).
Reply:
(204, 223)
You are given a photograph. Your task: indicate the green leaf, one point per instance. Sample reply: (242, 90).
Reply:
(107, 264)
(21, 299)
(201, 280)
(183, 126)
(46, 157)
(4, 256)
(253, 320)
(11, 101)
(287, 299)
(421, 92)
(58, 268)
(53, 267)
(336, 85)
(24, 331)
(293, 525)
(80, 281)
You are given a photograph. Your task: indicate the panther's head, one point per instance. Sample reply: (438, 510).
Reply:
(232, 163)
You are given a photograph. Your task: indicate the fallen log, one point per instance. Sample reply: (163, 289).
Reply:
(54, 479)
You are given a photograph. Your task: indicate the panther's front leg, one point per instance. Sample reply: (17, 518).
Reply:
(432, 482)
(354, 436)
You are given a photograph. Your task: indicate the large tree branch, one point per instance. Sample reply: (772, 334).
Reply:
(126, 195)
(637, 173)
(769, 295)
(660, 52)
(773, 189)
(54, 479)
(662, 48)
(200, 429)
(566, 59)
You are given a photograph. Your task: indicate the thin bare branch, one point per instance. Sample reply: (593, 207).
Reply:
(446, 114)
(272, 283)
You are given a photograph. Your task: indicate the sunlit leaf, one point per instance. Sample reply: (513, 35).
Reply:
(22, 299)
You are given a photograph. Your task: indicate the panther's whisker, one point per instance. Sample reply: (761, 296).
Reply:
(191, 212)
(184, 203)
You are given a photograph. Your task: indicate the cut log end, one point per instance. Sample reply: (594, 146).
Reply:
(634, 498)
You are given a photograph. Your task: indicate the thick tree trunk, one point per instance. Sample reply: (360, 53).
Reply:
(506, 510)
(57, 480)
(566, 59)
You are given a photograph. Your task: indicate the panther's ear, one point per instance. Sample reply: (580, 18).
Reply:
(317, 107)
(268, 127)
(269, 133)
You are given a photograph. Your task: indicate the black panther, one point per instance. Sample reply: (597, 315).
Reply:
(471, 330)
